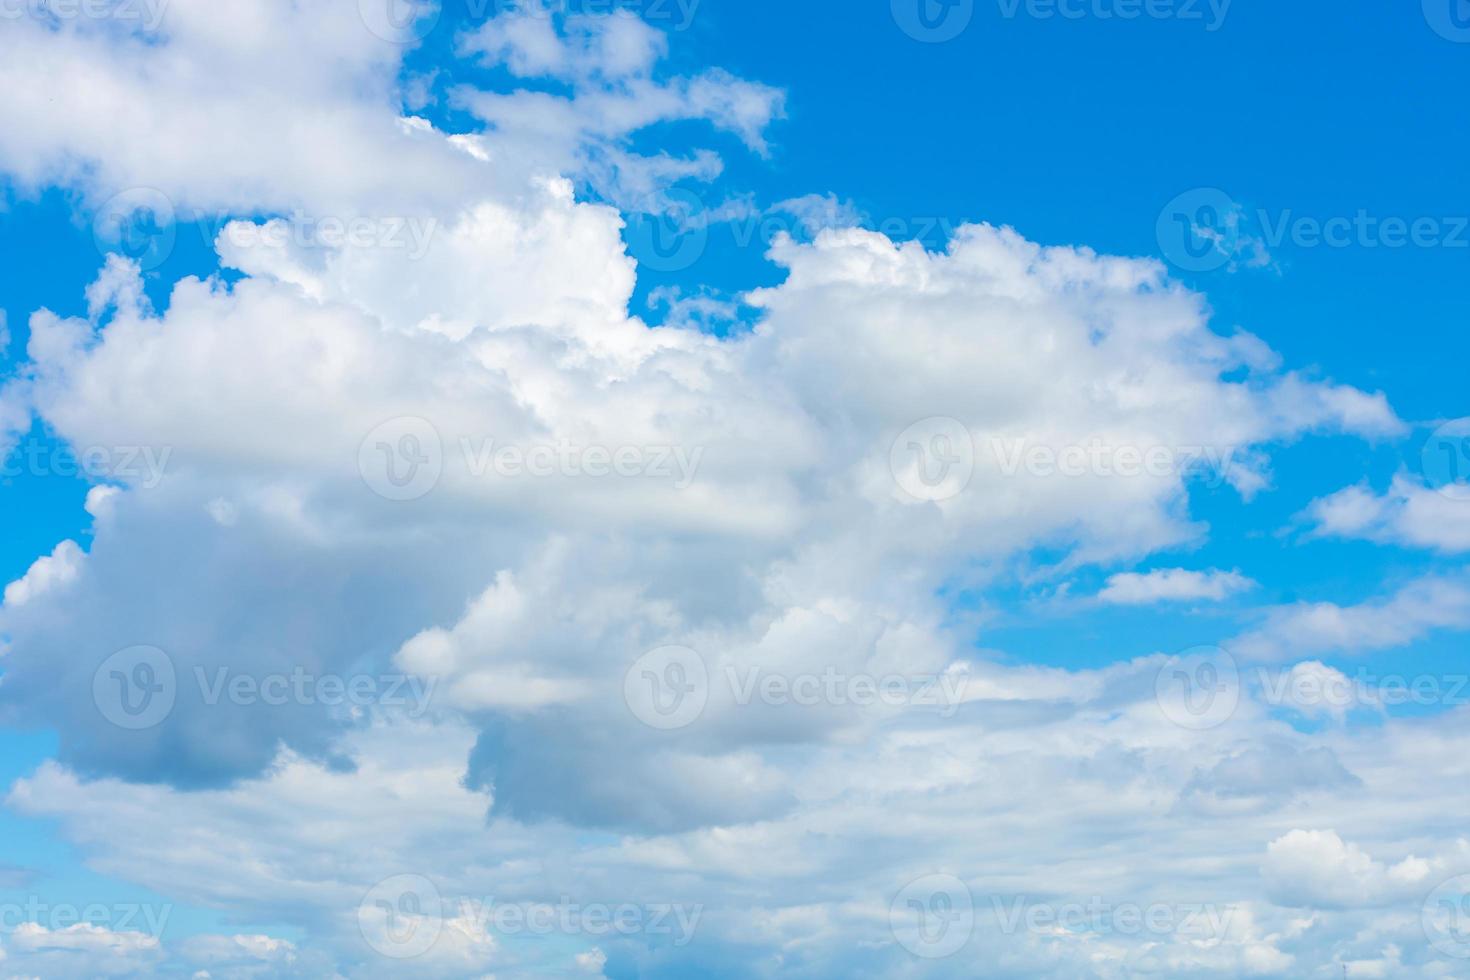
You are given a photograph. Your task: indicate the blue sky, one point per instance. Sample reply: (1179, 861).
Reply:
(1075, 131)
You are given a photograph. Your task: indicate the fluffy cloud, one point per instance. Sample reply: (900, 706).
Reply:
(800, 502)
(1415, 610)
(1317, 868)
(48, 572)
(78, 951)
(1172, 585)
(1408, 514)
(808, 893)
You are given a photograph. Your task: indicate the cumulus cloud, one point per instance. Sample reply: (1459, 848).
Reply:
(48, 572)
(78, 951)
(1304, 628)
(1408, 514)
(1318, 868)
(1172, 585)
(798, 503)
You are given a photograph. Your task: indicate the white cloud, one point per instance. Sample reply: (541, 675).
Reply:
(46, 573)
(1242, 895)
(78, 952)
(592, 961)
(1172, 585)
(1415, 610)
(794, 547)
(1317, 868)
(1408, 514)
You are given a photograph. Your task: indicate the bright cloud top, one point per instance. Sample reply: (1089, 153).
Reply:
(450, 463)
